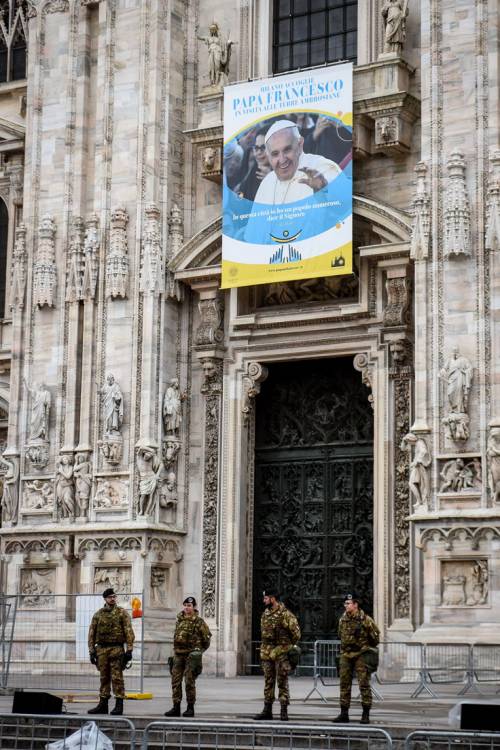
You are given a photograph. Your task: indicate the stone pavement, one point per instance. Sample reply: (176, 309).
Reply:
(241, 697)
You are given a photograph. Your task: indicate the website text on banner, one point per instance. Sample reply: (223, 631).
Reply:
(287, 189)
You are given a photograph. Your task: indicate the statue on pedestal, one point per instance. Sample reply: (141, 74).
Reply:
(219, 55)
(394, 13)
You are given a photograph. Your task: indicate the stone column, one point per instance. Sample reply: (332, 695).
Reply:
(209, 350)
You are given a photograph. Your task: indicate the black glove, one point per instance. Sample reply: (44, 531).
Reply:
(127, 657)
(93, 658)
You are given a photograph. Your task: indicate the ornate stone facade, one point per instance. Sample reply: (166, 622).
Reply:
(131, 383)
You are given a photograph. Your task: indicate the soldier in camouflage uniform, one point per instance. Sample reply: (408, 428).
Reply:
(191, 638)
(358, 633)
(110, 628)
(279, 632)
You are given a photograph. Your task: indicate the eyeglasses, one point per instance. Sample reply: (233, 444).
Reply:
(259, 148)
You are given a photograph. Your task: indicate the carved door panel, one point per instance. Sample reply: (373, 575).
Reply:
(313, 528)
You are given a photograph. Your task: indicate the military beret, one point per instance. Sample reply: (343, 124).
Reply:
(190, 600)
(108, 592)
(271, 592)
(352, 597)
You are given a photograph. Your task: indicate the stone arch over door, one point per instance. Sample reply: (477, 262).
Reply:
(375, 327)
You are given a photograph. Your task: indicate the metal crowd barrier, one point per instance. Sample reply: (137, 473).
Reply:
(446, 664)
(451, 740)
(44, 643)
(305, 667)
(486, 662)
(196, 734)
(326, 656)
(8, 610)
(35, 731)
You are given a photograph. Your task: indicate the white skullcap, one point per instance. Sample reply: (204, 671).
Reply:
(280, 125)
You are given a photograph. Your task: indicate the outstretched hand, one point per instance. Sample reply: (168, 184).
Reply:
(314, 179)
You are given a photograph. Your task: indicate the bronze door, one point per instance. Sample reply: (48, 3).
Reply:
(313, 527)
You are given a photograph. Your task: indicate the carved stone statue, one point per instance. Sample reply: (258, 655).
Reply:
(419, 479)
(394, 13)
(83, 483)
(172, 407)
(493, 457)
(113, 406)
(457, 373)
(65, 488)
(40, 410)
(9, 499)
(479, 582)
(219, 56)
(150, 467)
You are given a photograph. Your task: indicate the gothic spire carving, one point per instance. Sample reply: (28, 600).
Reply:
(91, 257)
(420, 232)
(456, 209)
(493, 204)
(152, 279)
(45, 274)
(75, 261)
(176, 237)
(18, 279)
(117, 260)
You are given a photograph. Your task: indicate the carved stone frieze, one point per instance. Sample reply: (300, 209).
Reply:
(38, 495)
(117, 545)
(164, 548)
(117, 263)
(18, 278)
(210, 331)
(324, 289)
(75, 261)
(403, 479)
(38, 585)
(457, 373)
(464, 583)
(39, 547)
(255, 375)
(419, 479)
(456, 209)
(493, 460)
(119, 578)
(111, 493)
(152, 274)
(44, 271)
(447, 536)
(421, 225)
(397, 311)
(461, 476)
(159, 586)
(91, 257)
(56, 6)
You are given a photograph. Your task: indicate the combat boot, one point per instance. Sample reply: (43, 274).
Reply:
(365, 718)
(343, 717)
(284, 712)
(266, 713)
(174, 711)
(101, 708)
(189, 712)
(118, 709)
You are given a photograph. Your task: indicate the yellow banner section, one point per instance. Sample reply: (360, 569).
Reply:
(333, 263)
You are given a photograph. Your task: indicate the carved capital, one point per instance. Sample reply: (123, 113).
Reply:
(256, 374)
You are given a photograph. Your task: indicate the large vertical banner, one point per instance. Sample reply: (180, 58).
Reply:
(287, 192)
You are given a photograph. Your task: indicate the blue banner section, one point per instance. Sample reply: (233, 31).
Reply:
(265, 224)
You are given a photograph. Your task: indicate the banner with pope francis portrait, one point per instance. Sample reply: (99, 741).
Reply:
(287, 178)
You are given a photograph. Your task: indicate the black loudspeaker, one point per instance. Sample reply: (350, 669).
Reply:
(480, 716)
(36, 703)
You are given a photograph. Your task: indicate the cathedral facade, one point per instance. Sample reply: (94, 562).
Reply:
(167, 437)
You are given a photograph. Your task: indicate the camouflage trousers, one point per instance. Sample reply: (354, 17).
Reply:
(180, 669)
(110, 670)
(276, 672)
(349, 665)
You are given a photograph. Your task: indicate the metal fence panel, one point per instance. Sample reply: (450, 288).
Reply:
(187, 735)
(8, 610)
(486, 662)
(452, 740)
(49, 643)
(399, 662)
(305, 667)
(34, 731)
